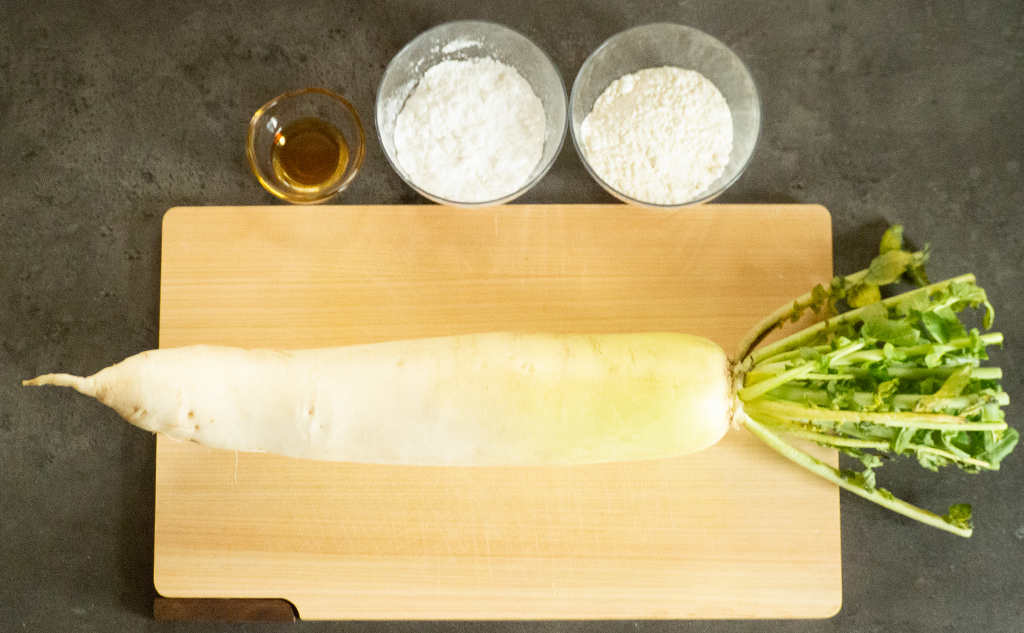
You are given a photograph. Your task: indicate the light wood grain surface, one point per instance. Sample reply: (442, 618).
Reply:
(732, 532)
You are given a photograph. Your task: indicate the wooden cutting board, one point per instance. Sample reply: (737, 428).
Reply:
(733, 532)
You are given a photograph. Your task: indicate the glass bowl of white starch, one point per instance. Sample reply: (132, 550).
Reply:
(663, 115)
(471, 114)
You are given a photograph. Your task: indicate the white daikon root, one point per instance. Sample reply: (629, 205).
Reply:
(481, 399)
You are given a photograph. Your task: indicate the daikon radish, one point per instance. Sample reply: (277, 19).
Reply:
(478, 399)
(899, 376)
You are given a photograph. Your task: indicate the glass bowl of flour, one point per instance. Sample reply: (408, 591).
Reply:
(664, 115)
(471, 114)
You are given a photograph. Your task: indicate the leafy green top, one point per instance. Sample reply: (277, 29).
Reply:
(896, 376)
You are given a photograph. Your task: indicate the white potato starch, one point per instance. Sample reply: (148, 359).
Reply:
(471, 131)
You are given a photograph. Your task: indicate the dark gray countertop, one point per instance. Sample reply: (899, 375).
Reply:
(111, 113)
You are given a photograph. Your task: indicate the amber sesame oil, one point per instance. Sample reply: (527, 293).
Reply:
(309, 155)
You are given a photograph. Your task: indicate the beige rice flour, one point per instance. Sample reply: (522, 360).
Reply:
(660, 135)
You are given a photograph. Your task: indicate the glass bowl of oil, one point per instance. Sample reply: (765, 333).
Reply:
(306, 146)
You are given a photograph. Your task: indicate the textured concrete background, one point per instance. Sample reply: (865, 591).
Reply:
(113, 112)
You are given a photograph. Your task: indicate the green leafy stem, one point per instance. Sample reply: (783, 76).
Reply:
(886, 377)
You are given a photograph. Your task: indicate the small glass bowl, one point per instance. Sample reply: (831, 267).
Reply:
(469, 39)
(269, 121)
(667, 44)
